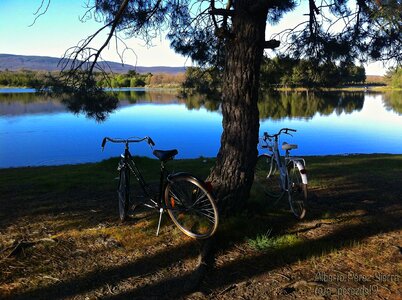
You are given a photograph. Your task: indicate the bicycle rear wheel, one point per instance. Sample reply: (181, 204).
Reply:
(123, 193)
(267, 177)
(191, 206)
(297, 192)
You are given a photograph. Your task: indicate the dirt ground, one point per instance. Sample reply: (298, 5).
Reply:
(348, 247)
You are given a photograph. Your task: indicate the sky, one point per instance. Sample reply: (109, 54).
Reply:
(60, 28)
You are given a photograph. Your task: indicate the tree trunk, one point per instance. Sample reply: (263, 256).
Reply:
(233, 173)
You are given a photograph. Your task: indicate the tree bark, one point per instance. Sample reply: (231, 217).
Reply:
(233, 173)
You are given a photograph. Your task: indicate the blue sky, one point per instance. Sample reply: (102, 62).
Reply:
(60, 28)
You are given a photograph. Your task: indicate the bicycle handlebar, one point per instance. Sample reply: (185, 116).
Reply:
(284, 130)
(127, 141)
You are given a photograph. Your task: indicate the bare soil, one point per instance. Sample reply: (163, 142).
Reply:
(70, 245)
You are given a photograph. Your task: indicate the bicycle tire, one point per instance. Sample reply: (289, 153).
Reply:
(191, 206)
(297, 191)
(267, 177)
(123, 193)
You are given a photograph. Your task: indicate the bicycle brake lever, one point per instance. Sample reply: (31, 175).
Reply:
(266, 137)
(103, 144)
(151, 142)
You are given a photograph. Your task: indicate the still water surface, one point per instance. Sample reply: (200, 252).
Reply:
(35, 130)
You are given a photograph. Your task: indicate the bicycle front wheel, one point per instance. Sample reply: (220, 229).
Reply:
(191, 206)
(123, 193)
(297, 192)
(267, 177)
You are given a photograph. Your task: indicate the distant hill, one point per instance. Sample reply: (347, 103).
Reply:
(45, 63)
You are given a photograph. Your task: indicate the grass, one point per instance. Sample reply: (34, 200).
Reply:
(264, 242)
(69, 213)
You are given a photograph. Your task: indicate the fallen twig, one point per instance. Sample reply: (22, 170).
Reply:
(17, 247)
(20, 247)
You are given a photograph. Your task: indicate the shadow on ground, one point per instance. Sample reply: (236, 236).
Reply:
(362, 204)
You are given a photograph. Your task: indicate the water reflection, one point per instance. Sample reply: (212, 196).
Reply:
(327, 123)
(274, 106)
(198, 101)
(393, 101)
(305, 105)
(96, 107)
(164, 96)
(15, 104)
(147, 96)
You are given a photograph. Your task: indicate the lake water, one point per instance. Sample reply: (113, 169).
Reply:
(35, 130)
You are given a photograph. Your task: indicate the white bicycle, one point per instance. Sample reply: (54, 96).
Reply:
(278, 176)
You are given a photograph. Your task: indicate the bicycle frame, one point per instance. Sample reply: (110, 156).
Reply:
(283, 172)
(282, 165)
(165, 177)
(158, 204)
(127, 161)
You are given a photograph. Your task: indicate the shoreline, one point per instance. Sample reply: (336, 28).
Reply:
(151, 158)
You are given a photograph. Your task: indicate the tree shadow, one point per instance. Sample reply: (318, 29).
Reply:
(379, 217)
(231, 273)
(248, 267)
(111, 276)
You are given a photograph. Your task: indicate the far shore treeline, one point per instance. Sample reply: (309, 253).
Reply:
(34, 79)
(275, 73)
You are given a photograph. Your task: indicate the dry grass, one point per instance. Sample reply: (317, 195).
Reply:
(60, 238)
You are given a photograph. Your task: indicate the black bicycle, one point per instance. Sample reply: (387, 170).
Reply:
(188, 200)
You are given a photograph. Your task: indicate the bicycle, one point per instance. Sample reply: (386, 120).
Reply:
(279, 176)
(188, 200)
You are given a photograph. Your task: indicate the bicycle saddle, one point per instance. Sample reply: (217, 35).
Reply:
(286, 146)
(165, 155)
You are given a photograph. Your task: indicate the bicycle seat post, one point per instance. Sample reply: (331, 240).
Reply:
(161, 181)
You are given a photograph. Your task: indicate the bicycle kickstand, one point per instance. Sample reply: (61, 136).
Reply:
(160, 220)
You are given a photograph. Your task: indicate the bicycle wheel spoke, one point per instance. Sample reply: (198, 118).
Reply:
(176, 197)
(201, 199)
(183, 193)
(297, 192)
(197, 216)
(206, 206)
(198, 193)
(210, 215)
(267, 178)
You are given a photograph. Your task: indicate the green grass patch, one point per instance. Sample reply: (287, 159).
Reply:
(264, 242)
